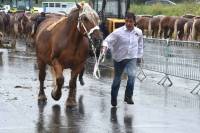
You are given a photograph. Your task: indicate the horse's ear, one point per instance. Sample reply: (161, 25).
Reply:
(91, 3)
(78, 6)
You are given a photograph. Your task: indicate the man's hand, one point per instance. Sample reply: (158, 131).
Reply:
(103, 50)
(102, 53)
(139, 61)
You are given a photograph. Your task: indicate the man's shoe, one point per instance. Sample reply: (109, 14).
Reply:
(113, 101)
(128, 100)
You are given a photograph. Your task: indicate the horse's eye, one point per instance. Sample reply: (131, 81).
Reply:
(85, 19)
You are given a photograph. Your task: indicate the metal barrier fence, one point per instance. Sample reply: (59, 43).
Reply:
(170, 57)
(175, 58)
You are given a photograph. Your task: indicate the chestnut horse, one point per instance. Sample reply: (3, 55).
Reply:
(65, 44)
(179, 27)
(196, 29)
(188, 30)
(154, 26)
(166, 26)
(143, 23)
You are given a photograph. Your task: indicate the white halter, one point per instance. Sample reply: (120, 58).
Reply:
(90, 14)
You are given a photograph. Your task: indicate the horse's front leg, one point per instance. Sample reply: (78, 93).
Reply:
(71, 101)
(57, 91)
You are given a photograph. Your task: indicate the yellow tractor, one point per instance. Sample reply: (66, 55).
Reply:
(112, 13)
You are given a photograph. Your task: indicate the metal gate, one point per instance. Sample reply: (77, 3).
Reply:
(175, 58)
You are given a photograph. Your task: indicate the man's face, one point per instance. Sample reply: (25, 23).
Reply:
(129, 22)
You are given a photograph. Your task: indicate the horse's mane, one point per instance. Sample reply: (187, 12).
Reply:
(86, 10)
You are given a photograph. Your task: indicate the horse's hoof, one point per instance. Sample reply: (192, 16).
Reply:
(42, 97)
(81, 82)
(56, 95)
(42, 103)
(71, 103)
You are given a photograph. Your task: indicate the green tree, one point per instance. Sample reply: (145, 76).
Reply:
(139, 1)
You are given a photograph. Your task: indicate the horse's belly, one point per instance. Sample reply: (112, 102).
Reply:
(72, 62)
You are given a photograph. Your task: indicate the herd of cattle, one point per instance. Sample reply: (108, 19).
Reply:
(187, 27)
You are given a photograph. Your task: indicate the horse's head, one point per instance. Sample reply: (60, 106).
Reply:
(88, 24)
(24, 21)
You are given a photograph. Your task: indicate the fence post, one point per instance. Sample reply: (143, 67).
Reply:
(196, 88)
(141, 75)
(166, 77)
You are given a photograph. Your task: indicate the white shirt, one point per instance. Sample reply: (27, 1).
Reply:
(125, 44)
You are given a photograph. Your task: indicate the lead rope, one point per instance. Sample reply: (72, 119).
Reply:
(96, 70)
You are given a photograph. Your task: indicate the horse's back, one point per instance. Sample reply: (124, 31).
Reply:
(155, 22)
(44, 25)
(168, 21)
(43, 39)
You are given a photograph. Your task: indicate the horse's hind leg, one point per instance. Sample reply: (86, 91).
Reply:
(71, 101)
(81, 77)
(166, 35)
(156, 33)
(160, 33)
(42, 75)
(57, 92)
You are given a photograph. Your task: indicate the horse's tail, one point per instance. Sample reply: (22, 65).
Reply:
(190, 31)
(15, 28)
(160, 28)
(21, 25)
(1, 37)
(186, 28)
(1, 34)
(149, 29)
(194, 30)
(33, 28)
(176, 29)
(186, 31)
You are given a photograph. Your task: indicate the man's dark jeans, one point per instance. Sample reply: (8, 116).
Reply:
(129, 65)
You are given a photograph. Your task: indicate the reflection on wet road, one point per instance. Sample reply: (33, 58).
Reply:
(156, 109)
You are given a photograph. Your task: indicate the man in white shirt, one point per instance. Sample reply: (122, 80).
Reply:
(126, 44)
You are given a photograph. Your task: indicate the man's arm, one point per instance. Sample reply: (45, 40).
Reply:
(140, 50)
(109, 41)
(140, 46)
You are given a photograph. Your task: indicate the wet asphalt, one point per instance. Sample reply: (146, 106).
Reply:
(157, 109)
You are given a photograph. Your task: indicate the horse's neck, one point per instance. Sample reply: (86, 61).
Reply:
(73, 33)
(76, 37)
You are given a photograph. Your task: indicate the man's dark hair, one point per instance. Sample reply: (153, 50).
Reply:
(42, 14)
(130, 15)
